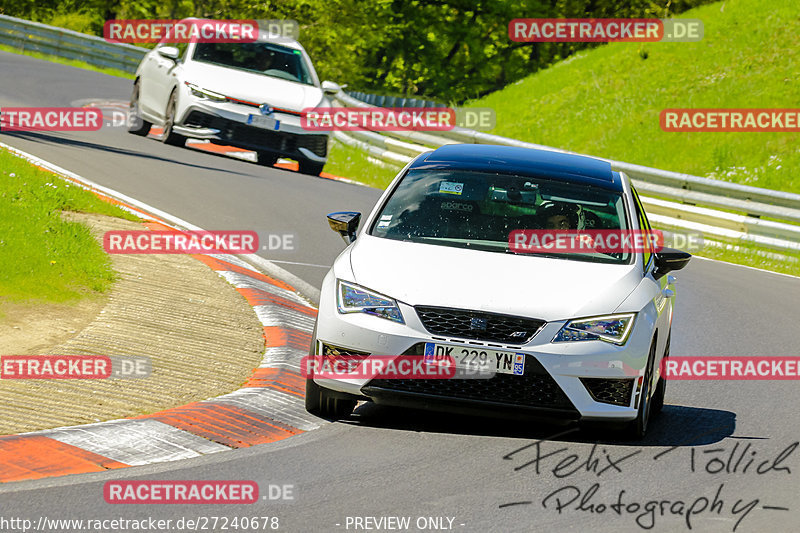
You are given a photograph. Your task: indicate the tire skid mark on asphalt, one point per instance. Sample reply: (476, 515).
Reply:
(268, 408)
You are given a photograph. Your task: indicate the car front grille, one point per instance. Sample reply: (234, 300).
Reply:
(259, 137)
(536, 388)
(478, 325)
(609, 390)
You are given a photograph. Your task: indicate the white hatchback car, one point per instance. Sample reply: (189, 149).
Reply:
(432, 270)
(249, 95)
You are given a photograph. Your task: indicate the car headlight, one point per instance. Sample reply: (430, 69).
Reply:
(609, 328)
(354, 299)
(199, 92)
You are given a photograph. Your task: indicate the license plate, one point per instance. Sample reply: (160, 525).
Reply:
(261, 121)
(475, 358)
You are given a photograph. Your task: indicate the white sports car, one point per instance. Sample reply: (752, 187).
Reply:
(249, 95)
(432, 271)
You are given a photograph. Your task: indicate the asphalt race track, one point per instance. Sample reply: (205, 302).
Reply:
(485, 475)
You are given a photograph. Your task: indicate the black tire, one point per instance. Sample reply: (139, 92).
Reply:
(661, 386)
(267, 159)
(169, 136)
(637, 428)
(313, 403)
(136, 124)
(311, 168)
(320, 402)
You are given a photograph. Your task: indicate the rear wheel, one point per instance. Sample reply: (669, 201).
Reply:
(322, 402)
(136, 124)
(169, 136)
(310, 167)
(638, 427)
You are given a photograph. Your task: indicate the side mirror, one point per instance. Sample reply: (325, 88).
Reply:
(330, 87)
(169, 52)
(345, 223)
(669, 259)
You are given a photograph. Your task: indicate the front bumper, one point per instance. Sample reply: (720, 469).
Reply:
(588, 380)
(226, 123)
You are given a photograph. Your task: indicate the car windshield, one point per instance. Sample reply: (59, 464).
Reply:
(479, 210)
(261, 58)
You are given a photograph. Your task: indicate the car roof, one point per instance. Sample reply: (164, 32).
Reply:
(523, 162)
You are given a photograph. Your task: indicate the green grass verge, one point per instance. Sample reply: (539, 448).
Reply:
(606, 101)
(352, 163)
(69, 62)
(752, 256)
(44, 258)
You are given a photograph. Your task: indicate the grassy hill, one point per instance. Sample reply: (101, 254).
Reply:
(606, 101)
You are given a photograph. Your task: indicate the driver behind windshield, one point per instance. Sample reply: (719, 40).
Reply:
(562, 215)
(263, 62)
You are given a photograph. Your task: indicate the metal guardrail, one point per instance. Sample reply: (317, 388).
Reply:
(392, 101)
(26, 35)
(673, 197)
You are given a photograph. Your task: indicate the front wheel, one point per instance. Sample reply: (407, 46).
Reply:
(638, 427)
(266, 159)
(311, 167)
(321, 402)
(661, 386)
(169, 136)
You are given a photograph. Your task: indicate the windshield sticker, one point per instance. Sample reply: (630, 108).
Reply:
(451, 187)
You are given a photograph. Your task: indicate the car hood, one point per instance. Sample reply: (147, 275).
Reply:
(252, 87)
(524, 285)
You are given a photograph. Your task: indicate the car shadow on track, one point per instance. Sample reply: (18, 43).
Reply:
(47, 138)
(676, 425)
